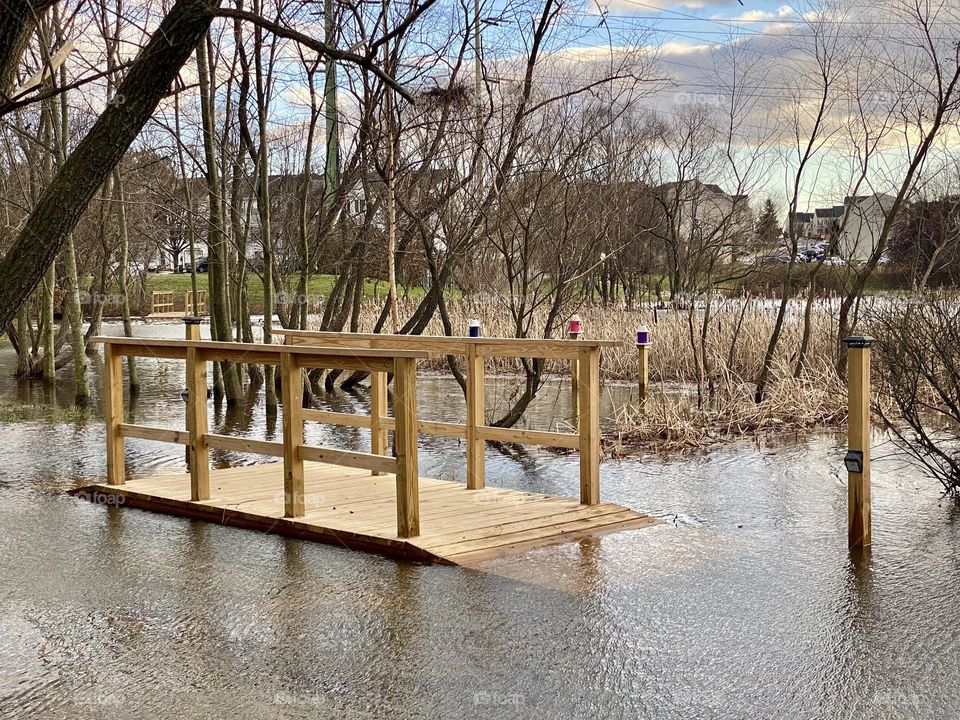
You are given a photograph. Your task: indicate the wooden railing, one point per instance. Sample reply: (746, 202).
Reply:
(379, 355)
(161, 301)
(584, 356)
(201, 308)
(292, 359)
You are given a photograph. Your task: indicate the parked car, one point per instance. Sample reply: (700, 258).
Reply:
(202, 265)
(834, 260)
(775, 259)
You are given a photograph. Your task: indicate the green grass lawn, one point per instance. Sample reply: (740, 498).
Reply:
(317, 287)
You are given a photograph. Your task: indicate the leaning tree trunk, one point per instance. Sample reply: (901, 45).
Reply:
(64, 200)
(18, 20)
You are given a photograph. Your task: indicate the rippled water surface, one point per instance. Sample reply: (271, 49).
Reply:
(743, 603)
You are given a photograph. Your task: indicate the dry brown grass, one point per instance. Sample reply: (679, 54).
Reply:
(677, 422)
(671, 357)
(683, 420)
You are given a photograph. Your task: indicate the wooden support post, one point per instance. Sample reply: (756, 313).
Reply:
(378, 413)
(191, 328)
(858, 442)
(291, 383)
(405, 442)
(644, 373)
(199, 453)
(574, 375)
(476, 445)
(588, 372)
(113, 413)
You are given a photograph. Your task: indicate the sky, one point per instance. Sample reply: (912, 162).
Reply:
(704, 48)
(700, 49)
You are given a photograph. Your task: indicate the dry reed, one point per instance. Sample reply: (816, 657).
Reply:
(721, 406)
(671, 358)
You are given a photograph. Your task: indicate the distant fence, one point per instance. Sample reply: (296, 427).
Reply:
(163, 303)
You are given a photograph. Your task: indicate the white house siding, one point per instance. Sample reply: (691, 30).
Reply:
(862, 225)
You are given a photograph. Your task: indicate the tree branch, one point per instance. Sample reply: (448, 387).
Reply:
(366, 61)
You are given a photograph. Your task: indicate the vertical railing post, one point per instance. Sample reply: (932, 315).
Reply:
(191, 328)
(199, 453)
(378, 411)
(113, 413)
(574, 328)
(405, 442)
(291, 382)
(476, 445)
(857, 459)
(588, 372)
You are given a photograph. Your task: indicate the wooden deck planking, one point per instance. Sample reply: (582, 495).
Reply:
(353, 508)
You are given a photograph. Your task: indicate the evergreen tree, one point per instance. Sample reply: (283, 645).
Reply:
(767, 228)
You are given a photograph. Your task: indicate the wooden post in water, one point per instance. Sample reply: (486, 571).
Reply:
(588, 372)
(291, 384)
(113, 413)
(378, 411)
(574, 328)
(476, 445)
(643, 350)
(199, 453)
(405, 442)
(857, 459)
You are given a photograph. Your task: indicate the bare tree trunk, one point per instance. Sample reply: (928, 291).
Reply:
(64, 200)
(71, 303)
(133, 379)
(227, 382)
(391, 190)
(807, 329)
(47, 340)
(263, 206)
(71, 299)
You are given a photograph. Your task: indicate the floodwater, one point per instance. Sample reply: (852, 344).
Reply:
(743, 603)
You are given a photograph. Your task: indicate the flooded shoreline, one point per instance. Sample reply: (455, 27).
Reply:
(743, 602)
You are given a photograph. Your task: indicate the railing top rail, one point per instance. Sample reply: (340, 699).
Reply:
(442, 344)
(233, 347)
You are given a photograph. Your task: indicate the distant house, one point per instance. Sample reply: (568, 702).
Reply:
(863, 220)
(366, 198)
(803, 224)
(705, 210)
(825, 222)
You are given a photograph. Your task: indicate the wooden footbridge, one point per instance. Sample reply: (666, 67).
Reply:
(373, 501)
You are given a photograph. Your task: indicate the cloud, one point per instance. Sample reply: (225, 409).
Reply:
(755, 16)
(634, 7)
